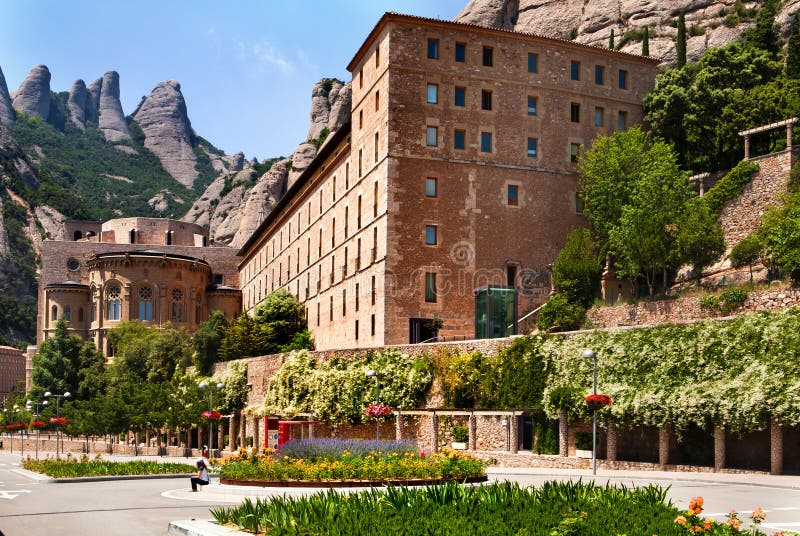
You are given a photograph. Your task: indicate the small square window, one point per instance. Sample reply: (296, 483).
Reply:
(430, 235)
(486, 99)
(431, 186)
(460, 97)
(533, 147)
(488, 56)
(622, 120)
(433, 49)
(598, 116)
(430, 288)
(431, 137)
(574, 151)
(459, 139)
(575, 112)
(513, 195)
(461, 52)
(623, 79)
(486, 142)
(575, 70)
(532, 105)
(433, 93)
(533, 63)
(599, 72)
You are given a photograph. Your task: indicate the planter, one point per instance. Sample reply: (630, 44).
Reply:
(458, 445)
(349, 483)
(580, 453)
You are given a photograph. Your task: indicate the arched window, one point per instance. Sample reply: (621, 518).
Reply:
(177, 305)
(132, 235)
(67, 313)
(54, 313)
(77, 235)
(146, 304)
(113, 300)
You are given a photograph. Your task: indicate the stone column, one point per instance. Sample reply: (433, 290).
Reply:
(719, 448)
(663, 445)
(242, 429)
(789, 129)
(232, 432)
(776, 446)
(435, 432)
(746, 147)
(611, 442)
(398, 426)
(563, 438)
(220, 437)
(473, 432)
(256, 434)
(513, 434)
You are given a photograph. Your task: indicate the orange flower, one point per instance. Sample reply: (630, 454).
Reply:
(680, 520)
(698, 528)
(758, 515)
(696, 504)
(707, 525)
(734, 523)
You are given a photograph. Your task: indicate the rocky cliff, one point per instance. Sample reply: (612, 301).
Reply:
(33, 95)
(164, 121)
(710, 23)
(6, 107)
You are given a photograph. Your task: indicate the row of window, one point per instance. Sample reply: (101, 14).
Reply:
(532, 66)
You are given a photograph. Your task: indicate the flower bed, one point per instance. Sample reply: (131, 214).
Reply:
(555, 508)
(84, 467)
(328, 461)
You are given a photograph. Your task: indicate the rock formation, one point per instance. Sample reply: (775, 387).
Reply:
(13, 160)
(6, 108)
(262, 197)
(340, 108)
(303, 155)
(111, 118)
(94, 100)
(77, 103)
(33, 95)
(168, 132)
(593, 21)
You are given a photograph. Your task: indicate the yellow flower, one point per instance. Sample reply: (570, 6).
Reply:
(680, 520)
(758, 515)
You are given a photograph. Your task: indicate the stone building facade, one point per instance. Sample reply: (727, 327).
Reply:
(12, 369)
(159, 271)
(456, 172)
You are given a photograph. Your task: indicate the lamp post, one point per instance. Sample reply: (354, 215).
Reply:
(37, 407)
(58, 398)
(21, 439)
(590, 354)
(373, 374)
(211, 387)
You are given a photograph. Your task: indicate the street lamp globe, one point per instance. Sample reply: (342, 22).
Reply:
(370, 373)
(48, 394)
(203, 385)
(589, 354)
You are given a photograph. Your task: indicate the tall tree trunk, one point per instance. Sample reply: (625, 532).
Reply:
(563, 438)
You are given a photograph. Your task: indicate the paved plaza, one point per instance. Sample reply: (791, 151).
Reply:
(33, 505)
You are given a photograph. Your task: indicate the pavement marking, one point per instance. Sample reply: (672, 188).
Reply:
(12, 494)
(200, 496)
(766, 511)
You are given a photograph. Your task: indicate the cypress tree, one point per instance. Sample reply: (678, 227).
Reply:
(611, 40)
(680, 43)
(793, 49)
(646, 42)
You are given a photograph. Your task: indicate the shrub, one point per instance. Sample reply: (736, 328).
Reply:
(333, 449)
(558, 314)
(460, 433)
(583, 440)
(576, 272)
(730, 186)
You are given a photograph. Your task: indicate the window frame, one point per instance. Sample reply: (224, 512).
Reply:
(599, 75)
(435, 93)
(462, 90)
(431, 234)
(575, 112)
(433, 49)
(575, 70)
(486, 100)
(462, 48)
(486, 137)
(487, 56)
(512, 200)
(430, 287)
(431, 130)
(435, 182)
(535, 105)
(535, 57)
(622, 79)
(535, 147)
(459, 135)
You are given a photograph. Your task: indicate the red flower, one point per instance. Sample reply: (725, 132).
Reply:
(58, 420)
(212, 415)
(38, 424)
(597, 401)
(377, 411)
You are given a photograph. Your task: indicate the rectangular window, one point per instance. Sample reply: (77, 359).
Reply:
(575, 70)
(459, 139)
(377, 57)
(622, 120)
(599, 72)
(486, 142)
(333, 233)
(372, 292)
(575, 112)
(486, 99)
(356, 329)
(461, 52)
(431, 186)
(372, 325)
(361, 78)
(346, 221)
(330, 311)
(431, 136)
(333, 194)
(358, 214)
(433, 94)
(377, 100)
(533, 63)
(357, 301)
(376, 144)
(488, 56)
(460, 97)
(361, 119)
(533, 147)
(574, 151)
(374, 244)
(346, 175)
(375, 200)
(360, 161)
(513, 195)
(598, 116)
(319, 244)
(532, 105)
(318, 315)
(430, 288)
(433, 49)
(344, 302)
(430, 235)
(622, 79)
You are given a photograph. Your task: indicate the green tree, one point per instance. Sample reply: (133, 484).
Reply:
(576, 272)
(748, 252)
(793, 48)
(701, 241)
(559, 314)
(282, 313)
(148, 353)
(247, 337)
(764, 35)
(680, 42)
(57, 366)
(611, 40)
(646, 42)
(207, 341)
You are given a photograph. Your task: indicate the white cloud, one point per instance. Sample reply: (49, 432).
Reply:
(264, 55)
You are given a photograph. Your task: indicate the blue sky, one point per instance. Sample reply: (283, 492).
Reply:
(246, 68)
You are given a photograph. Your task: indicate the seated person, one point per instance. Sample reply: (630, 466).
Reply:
(202, 477)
